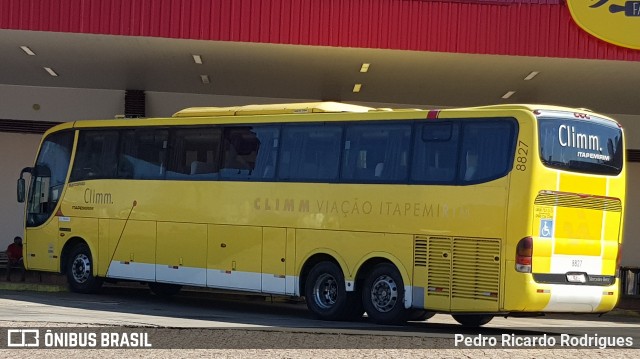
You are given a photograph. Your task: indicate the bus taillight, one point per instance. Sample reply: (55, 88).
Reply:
(524, 252)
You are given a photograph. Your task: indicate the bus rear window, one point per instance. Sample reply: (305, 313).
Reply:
(587, 146)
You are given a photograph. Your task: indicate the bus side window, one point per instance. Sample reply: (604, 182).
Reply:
(194, 153)
(125, 160)
(376, 152)
(143, 154)
(96, 156)
(487, 146)
(240, 148)
(268, 139)
(435, 155)
(310, 152)
(250, 153)
(471, 165)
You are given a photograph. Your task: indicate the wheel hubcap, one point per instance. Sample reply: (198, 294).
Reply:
(384, 294)
(81, 268)
(325, 291)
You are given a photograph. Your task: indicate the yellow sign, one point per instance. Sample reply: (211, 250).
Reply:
(614, 21)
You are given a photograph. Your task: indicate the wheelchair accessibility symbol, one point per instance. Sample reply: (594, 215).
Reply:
(546, 228)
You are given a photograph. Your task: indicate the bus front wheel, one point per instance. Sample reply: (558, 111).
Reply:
(80, 270)
(472, 320)
(325, 292)
(383, 295)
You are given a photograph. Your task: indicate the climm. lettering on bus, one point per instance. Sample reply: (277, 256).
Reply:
(569, 137)
(94, 197)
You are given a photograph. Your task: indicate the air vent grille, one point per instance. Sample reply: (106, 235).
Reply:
(578, 201)
(475, 268)
(134, 104)
(439, 266)
(633, 155)
(420, 253)
(20, 126)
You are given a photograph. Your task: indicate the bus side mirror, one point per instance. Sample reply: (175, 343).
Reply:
(21, 190)
(21, 184)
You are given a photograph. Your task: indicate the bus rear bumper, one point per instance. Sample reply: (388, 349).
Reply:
(561, 298)
(581, 299)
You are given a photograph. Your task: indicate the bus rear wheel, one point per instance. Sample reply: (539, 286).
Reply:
(80, 270)
(383, 295)
(325, 292)
(472, 320)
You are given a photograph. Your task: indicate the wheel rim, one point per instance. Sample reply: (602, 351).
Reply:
(325, 291)
(384, 294)
(81, 268)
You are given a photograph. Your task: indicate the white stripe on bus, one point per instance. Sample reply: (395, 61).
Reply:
(181, 275)
(212, 278)
(132, 270)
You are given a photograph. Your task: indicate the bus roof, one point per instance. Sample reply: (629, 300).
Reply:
(337, 107)
(269, 109)
(264, 113)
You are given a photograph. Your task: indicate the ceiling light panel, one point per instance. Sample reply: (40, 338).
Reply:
(205, 79)
(364, 67)
(531, 75)
(508, 94)
(357, 87)
(50, 71)
(197, 59)
(28, 51)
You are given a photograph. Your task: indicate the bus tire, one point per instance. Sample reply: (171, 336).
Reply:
(383, 295)
(419, 315)
(325, 292)
(80, 270)
(164, 289)
(472, 320)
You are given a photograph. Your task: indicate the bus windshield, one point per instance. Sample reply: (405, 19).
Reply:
(48, 177)
(587, 146)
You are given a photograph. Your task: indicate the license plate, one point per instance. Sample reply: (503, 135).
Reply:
(576, 278)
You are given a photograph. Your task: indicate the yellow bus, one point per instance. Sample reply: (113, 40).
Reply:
(496, 210)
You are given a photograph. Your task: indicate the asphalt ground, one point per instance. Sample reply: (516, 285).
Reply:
(314, 345)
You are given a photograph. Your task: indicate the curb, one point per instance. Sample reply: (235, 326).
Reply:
(33, 287)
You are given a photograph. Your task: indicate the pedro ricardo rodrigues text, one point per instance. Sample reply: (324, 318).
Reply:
(562, 340)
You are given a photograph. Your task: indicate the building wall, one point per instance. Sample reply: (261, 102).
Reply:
(19, 151)
(631, 245)
(58, 104)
